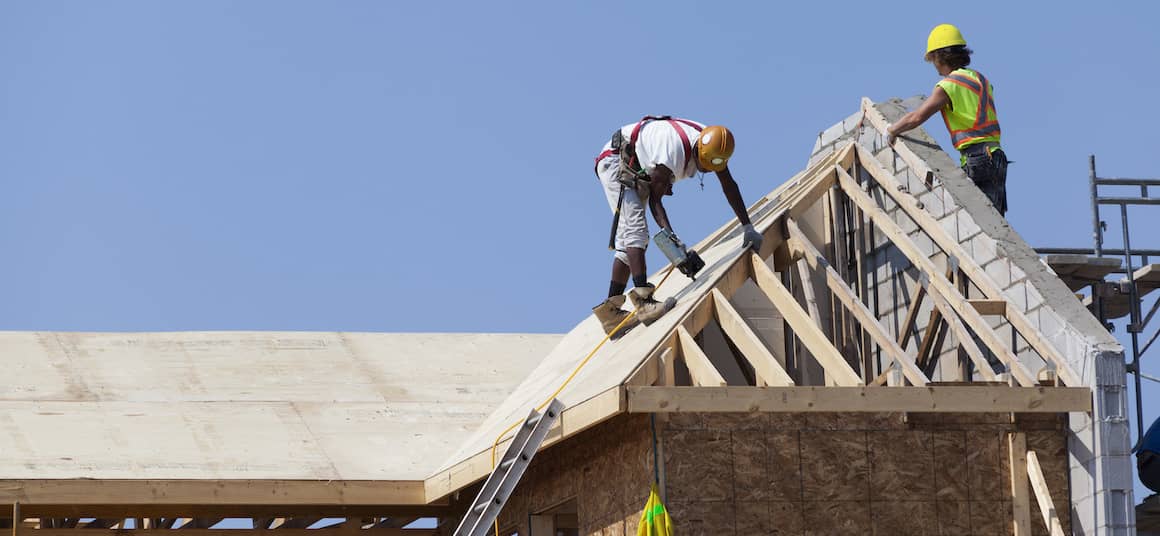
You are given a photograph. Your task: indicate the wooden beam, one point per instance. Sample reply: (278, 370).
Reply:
(109, 511)
(1043, 495)
(930, 399)
(1020, 500)
(748, 343)
(918, 293)
(700, 368)
(967, 264)
(212, 492)
(966, 341)
(989, 307)
(805, 329)
(236, 532)
(879, 123)
(942, 292)
(870, 323)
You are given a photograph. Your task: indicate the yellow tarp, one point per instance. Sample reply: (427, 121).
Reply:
(654, 521)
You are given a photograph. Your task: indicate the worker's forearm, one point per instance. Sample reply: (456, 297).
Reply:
(908, 122)
(659, 214)
(733, 195)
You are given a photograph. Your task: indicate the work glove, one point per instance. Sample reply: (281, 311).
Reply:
(753, 239)
(676, 240)
(890, 137)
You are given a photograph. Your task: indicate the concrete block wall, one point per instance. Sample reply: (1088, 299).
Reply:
(1098, 443)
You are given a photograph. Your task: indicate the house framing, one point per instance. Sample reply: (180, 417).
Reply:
(891, 314)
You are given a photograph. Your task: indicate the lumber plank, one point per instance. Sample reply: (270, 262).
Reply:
(294, 511)
(235, 532)
(750, 345)
(967, 264)
(966, 342)
(942, 292)
(814, 259)
(919, 293)
(212, 492)
(1043, 495)
(989, 307)
(1020, 499)
(929, 399)
(805, 328)
(700, 368)
(879, 122)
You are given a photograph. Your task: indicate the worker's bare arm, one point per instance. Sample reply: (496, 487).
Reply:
(733, 195)
(661, 178)
(938, 99)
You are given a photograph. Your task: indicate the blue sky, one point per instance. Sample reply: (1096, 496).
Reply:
(426, 166)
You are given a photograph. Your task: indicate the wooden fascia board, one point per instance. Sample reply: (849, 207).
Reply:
(212, 492)
(378, 531)
(121, 511)
(929, 399)
(573, 420)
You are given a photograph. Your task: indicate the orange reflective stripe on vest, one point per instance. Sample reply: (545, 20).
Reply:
(980, 128)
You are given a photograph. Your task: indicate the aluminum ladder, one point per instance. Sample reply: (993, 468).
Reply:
(503, 479)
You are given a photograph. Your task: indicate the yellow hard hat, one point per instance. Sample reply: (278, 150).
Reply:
(714, 147)
(942, 36)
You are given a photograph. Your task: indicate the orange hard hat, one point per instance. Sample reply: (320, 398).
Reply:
(714, 147)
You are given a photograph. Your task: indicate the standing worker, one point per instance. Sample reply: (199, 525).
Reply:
(966, 99)
(639, 165)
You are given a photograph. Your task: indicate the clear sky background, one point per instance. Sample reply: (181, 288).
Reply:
(427, 166)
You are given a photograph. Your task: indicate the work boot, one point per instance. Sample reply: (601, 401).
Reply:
(611, 315)
(649, 310)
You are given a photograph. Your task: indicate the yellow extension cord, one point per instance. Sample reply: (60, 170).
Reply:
(499, 438)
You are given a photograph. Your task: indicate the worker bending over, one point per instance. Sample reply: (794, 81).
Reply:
(639, 166)
(966, 99)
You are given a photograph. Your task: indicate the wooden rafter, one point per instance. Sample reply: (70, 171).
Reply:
(814, 259)
(967, 264)
(803, 326)
(699, 365)
(942, 292)
(748, 343)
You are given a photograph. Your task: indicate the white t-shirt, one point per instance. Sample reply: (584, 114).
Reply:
(659, 143)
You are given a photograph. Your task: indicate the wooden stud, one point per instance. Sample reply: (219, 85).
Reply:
(700, 368)
(807, 399)
(977, 275)
(748, 343)
(1043, 495)
(942, 292)
(1020, 500)
(873, 327)
(805, 329)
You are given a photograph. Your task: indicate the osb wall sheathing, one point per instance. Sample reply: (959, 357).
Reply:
(607, 469)
(797, 474)
(829, 474)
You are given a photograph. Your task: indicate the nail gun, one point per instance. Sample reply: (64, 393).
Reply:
(685, 260)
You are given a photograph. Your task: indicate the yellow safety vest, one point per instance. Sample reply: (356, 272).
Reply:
(970, 116)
